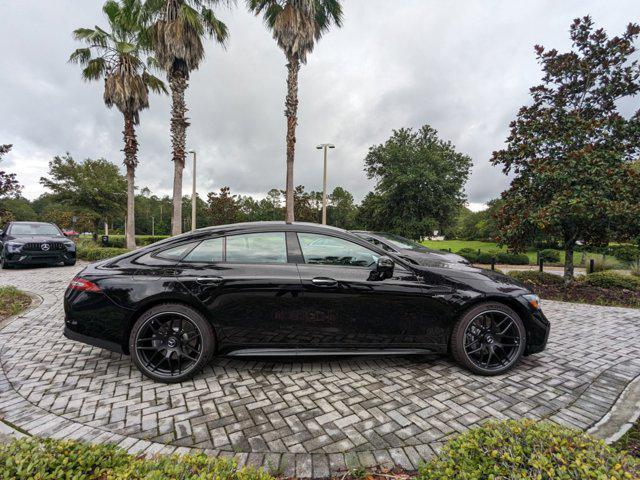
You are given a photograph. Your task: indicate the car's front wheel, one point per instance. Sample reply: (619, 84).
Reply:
(171, 342)
(3, 262)
(488, 339)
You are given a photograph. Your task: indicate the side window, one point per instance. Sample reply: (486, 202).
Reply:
(209, 251)
(175, 253)
(378, 243)
(268, 247)
(326, 250)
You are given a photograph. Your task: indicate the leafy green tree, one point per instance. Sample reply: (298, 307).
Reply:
(223, 207)
(419, 183)
(571, 149)
(116, 55)
(341, 210)
(96, 185)
(20, 208)
(9, 185)
(296, 26)
(177, 35)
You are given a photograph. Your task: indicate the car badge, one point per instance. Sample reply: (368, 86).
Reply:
(45, 247)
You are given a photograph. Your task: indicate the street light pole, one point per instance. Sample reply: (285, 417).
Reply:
(324, 146)
(193, 193)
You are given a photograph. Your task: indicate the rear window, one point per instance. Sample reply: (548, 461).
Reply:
(209, 251)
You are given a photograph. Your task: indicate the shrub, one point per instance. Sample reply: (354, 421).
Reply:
(94, 253)
(626, 253)
(527, 449)
(118, 241)
(603, 264)
(612, 280)
(471, 254)
(513, 258)
(635, 270)
(488, 256)
(549, 255)
(536, 278)
(54, 459)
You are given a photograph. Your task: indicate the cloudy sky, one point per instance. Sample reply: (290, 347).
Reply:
(463, 67)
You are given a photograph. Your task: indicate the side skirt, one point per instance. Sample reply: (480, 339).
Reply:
(309, 352)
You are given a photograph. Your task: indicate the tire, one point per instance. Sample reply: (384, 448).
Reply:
(69, 263)
(476, 339)
(171, 343)
(3, 263)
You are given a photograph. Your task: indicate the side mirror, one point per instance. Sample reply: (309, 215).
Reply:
(384, 267)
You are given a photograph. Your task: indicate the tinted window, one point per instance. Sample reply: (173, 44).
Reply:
(34, 229)
(175, 253)
(325, 250)
(208, 251)
(265, 247)
(378, 243)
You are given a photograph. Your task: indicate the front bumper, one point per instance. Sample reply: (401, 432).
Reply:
(538, 331)
(38, 258)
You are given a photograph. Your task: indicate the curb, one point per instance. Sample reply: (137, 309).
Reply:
(622, 415)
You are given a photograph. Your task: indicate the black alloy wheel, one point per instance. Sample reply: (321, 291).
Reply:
(3, 262)
(489, 339)
(171, 343)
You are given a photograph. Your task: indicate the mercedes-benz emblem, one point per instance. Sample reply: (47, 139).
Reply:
(45, 247)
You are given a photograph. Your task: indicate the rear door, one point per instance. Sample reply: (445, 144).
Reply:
(348, 307)
(248, 286)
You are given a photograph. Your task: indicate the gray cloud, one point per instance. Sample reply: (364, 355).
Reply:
(463, 67)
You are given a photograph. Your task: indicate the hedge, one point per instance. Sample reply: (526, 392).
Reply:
(118, 241)
(55, 459)
(95, 253)
(608, 279)
(526, 449)
(488, 256)
(549, 255)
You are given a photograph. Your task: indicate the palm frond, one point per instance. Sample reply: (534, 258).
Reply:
(80, 55)
(91, 36)
(190, 16)
(154, 83)
(216, 28)
(124, 48)
(95, 69)
(111, 8)
(328, 12)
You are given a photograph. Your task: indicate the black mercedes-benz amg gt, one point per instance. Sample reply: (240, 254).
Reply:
(272, 288)
(35, 243)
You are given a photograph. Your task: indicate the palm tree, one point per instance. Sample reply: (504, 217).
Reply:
(177, 34)
(296, 26)
(116, 55)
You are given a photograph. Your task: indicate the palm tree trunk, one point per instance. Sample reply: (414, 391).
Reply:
(178, 84)
(130, 161)
(291, 112)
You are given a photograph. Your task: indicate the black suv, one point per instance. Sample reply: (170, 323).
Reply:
(29, 243)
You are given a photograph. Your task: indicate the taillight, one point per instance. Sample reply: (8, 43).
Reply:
(82, 285)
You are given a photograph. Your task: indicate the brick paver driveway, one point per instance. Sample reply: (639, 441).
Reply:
(302, 417)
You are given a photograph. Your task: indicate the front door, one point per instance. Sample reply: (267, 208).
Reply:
(349, 307)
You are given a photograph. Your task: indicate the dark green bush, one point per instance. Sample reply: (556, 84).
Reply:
(57, 459)
(609, 279)
(118, 241)
(513, 258)
(470, 254)
(549, 255)
(487, 256)
(626, 253)
(95, 253)
(536, 278)
(526, 449)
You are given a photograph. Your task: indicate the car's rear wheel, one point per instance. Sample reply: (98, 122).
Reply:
(171, 342)
(488, 339)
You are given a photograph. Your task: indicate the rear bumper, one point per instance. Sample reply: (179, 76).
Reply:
(96, 342)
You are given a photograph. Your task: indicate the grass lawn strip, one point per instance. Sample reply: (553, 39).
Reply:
(12, 301)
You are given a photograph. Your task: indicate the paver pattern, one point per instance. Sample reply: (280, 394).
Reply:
(304, 418)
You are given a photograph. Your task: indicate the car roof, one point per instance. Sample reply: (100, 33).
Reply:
(31, 223)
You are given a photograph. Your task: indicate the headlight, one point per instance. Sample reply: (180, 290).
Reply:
(12, 246)
(533, 300)
(70, 245)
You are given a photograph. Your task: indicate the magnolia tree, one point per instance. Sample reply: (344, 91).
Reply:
(572, 150)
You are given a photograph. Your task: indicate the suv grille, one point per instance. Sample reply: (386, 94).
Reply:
(37, 247)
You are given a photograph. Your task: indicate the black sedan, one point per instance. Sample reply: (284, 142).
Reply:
(408, 249)
(271, 288)
(35, 243)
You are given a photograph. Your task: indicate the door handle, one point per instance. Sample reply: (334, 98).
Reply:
(324, 282)
(209, 280)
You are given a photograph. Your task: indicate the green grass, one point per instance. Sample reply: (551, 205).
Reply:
(12, 301)
(456, 245)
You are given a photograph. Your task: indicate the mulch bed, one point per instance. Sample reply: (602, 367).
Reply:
(581, 293)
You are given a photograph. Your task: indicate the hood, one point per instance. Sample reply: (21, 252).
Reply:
(467, 276)
(431, 258)
(36, 238)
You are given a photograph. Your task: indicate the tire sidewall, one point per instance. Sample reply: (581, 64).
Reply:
(457, 340)
(208, 340)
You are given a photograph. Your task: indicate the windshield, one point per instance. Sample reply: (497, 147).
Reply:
(34, 229)
(401, 242)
